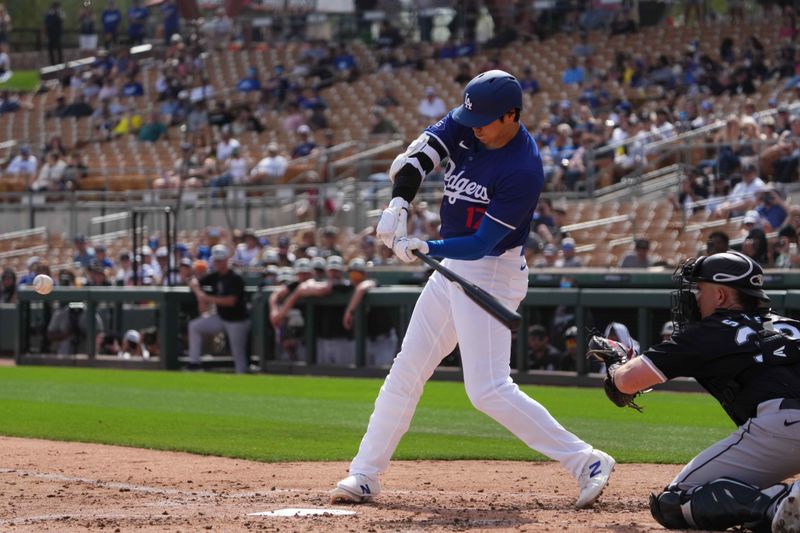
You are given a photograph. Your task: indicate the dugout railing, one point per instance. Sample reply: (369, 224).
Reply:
(643, 310)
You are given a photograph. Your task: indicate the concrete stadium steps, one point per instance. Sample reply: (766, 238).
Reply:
(606, 226)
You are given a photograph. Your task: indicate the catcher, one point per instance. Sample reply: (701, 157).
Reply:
(748, 359)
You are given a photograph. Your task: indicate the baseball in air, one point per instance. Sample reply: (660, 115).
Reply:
(43, 284)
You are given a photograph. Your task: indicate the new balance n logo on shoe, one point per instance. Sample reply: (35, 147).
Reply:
(365, 489)
(594, 468)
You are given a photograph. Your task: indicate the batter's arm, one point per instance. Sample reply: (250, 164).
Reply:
(410, 168)
(471, 247)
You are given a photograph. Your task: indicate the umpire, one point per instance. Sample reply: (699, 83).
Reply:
(226, 292)
(748, 359)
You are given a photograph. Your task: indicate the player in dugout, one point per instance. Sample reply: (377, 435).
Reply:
(226, 292)
(492, 183)
(381, 342)
(286, 319)
(748, 358)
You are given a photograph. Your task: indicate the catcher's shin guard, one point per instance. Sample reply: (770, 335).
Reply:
(666, 508)
(716, 506)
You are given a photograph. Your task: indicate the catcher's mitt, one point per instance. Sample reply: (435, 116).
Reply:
(614, 355)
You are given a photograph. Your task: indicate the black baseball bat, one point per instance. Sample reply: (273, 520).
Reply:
(509, 318)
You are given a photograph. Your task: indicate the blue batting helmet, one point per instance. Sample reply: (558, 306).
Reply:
(488, 97)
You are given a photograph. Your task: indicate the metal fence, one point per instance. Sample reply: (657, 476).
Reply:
(344, 203)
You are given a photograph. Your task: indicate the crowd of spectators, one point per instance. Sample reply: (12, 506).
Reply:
(643, 98)
(112, 95)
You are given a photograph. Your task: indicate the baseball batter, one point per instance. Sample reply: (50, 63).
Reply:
(493, 180)
(748, 359)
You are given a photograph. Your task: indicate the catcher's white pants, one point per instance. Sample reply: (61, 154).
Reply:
(442, 317)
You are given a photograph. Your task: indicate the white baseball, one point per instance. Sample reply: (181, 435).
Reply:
(43, 284)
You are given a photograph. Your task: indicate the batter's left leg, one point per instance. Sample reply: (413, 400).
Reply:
(429, 338)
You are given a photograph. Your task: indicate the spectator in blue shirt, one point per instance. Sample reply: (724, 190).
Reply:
(83, 253)
(594, 95)
(104, 61)
(771, 208)
(447, 50)
(311, 99)
(546, 134)
(101, 257)
(172, 111)
(33, 269)
(574, 73)
(528, 82)
(465, 49)
(169, 10)
(111, 18)
(124, 65)
(562, 146)
(344, 60)
(305, 145)
(8, 103)
(583, 49)
(132, 87)
(249, 83)
(137, 18)
(345, 63)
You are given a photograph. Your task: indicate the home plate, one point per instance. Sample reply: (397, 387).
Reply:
(304, 512)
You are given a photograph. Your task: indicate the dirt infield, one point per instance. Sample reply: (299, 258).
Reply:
(61, 486)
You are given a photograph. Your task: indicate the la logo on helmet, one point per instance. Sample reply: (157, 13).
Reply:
(467, 102)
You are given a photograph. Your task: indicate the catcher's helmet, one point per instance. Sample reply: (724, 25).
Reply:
(487, 97)
(733, 269)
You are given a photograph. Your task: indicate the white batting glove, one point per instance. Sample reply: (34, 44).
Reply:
(403, 248)
(392, 225)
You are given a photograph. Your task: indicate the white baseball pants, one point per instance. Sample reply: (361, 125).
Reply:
(442, 317)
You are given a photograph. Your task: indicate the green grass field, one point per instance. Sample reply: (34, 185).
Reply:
(22, 80)
(287, 418)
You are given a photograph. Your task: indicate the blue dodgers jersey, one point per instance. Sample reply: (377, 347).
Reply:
(502, 184)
